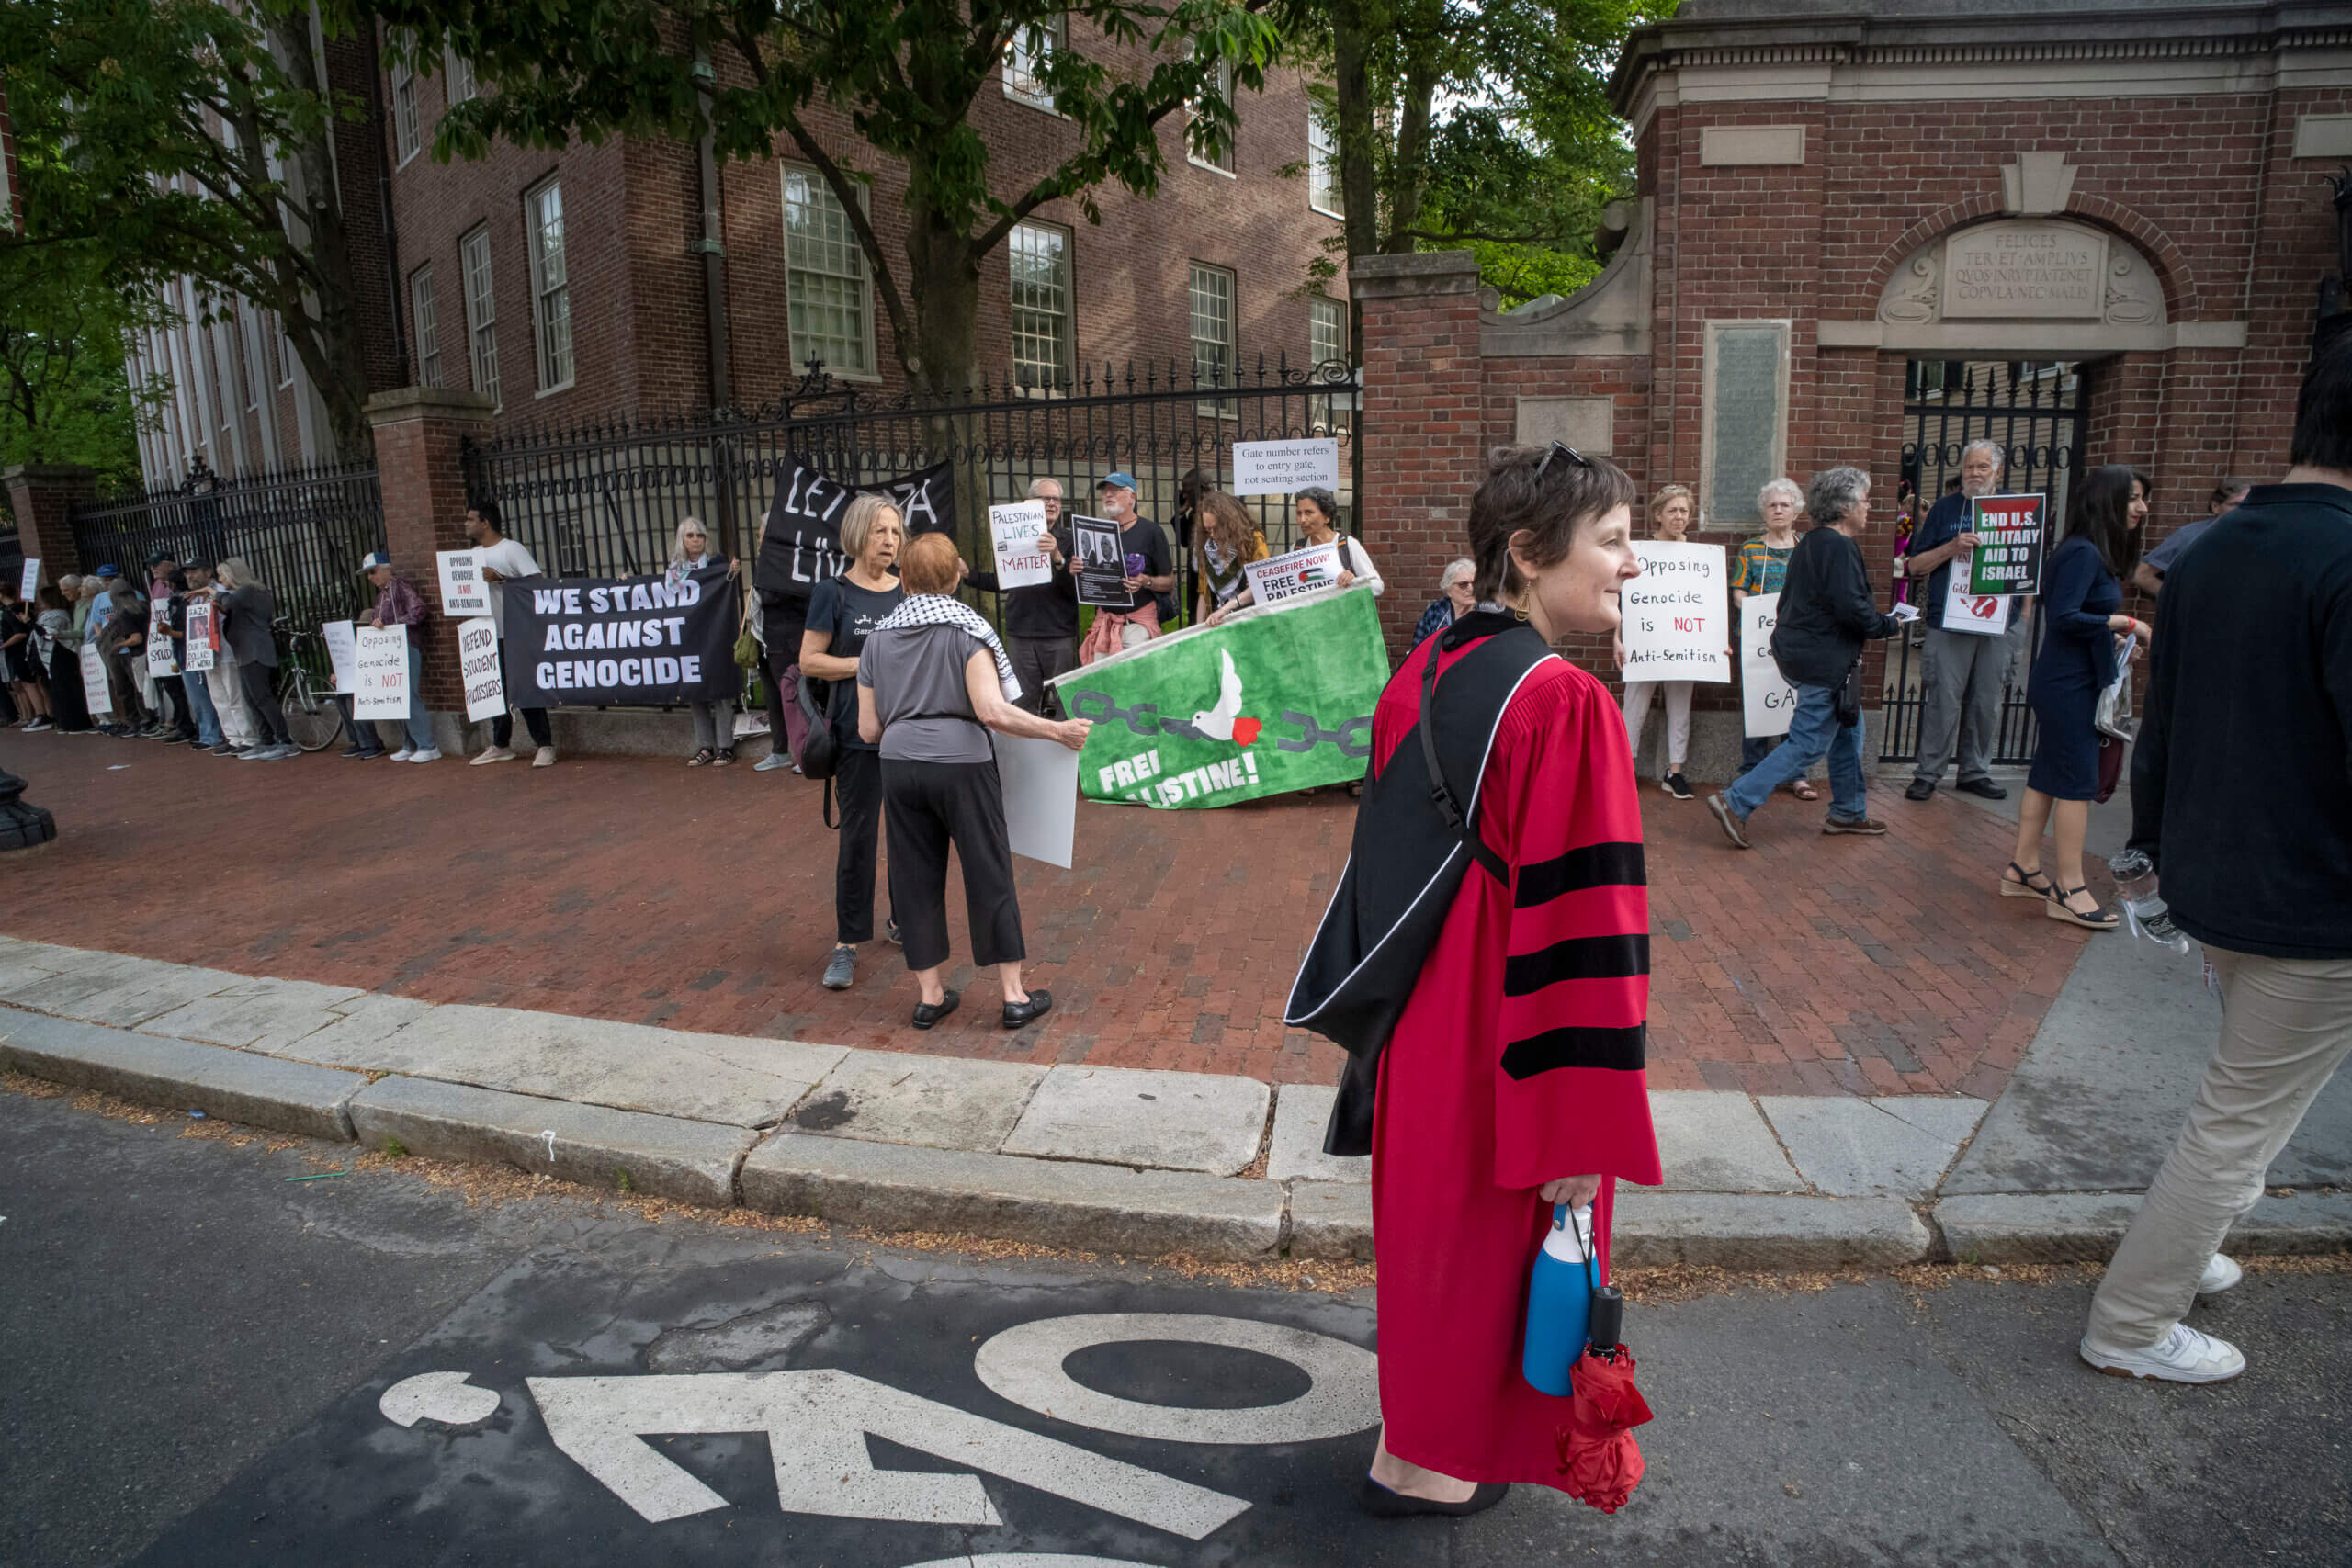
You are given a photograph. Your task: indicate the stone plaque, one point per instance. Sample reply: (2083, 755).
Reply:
(2030, 271)
(1746, 396)
(1588, 424)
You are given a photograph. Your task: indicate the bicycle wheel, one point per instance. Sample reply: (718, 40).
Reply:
(312, 716)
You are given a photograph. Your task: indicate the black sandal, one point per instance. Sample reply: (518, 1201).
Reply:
(2097, 920)
(726, 756)
(2023, 887)
(700, 759)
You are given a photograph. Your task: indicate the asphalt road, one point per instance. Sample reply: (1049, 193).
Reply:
(208, 1363)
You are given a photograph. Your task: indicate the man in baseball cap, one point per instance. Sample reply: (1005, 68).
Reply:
(1151, 572)
(397, 603)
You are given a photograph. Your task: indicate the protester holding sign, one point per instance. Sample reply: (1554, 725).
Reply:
(1317, 512)
(1962, 674)
(2082, 622)
(397, 603)
(932, 680)
(1671, 510)
(1760, 566)
(502, 559)
(165, 647)
(714, 718)
(122, 647)
(249, 612)
(221, 682)
(1225, 541)
(26, 672)
(842, 614)
(1146, 572)
(69, 706)
(1041, 620)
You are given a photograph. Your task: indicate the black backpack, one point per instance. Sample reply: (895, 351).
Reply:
(1415, 836)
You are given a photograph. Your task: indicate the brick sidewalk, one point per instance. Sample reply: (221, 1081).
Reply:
(636, 890)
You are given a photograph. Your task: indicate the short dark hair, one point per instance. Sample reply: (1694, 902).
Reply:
(1522, 494)
(2324, 410)
(2103, 513)
(488, 512)
(2228, 490)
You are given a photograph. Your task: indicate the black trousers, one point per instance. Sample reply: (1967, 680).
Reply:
(857, 787)
(260, 696)
(933, 804)
(501, 728)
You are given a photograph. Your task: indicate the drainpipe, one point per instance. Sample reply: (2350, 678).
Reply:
(379, 121)
(714, 296)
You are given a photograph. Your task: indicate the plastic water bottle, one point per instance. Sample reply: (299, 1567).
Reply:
(1559, 1302)
(2143, 908)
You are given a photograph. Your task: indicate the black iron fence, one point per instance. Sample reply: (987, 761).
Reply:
(302, 530)
(605, 500)
(2033, 411)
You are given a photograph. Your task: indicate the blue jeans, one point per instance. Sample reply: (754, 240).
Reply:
(1754, 748)
(200, 708)
(1812, 733)
(420, 725)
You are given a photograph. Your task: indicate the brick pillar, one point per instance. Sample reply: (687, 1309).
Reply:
(41, 495)
(1424, 418)
(418, 430)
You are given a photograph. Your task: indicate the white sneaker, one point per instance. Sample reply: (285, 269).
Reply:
(2221, 1273)
(545, 758)
(494, 754)
(432, 754)
(2183, 1356)
(403, 754)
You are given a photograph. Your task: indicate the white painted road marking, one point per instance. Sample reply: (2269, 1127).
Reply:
(816, 1424)
(445, 1398)
(1024, 1364)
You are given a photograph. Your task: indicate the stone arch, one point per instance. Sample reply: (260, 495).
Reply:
(2171, 267)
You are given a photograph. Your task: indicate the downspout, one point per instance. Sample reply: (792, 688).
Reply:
(380, 122)
(714, 299)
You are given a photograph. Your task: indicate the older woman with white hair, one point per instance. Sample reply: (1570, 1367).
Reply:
(248, 623)
(1760, 566)
(1672, 511)
(1454, 599)
(690, 552)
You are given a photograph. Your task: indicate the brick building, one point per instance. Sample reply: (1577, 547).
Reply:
(570, 286)
(1823, 266)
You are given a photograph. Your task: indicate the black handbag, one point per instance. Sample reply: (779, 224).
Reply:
(1849, 698)
(820, 755)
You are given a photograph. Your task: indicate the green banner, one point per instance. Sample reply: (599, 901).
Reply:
(1275, 699)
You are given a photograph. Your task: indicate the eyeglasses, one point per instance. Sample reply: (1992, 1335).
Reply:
(1562, 449)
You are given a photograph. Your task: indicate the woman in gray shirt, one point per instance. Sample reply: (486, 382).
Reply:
(932, 681)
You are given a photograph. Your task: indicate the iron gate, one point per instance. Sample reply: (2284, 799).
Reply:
(2034, 409)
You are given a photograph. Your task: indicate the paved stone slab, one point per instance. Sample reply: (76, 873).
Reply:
(1295, 1151)
(1330, 1219)
(629, 1066)
(22, 963)
(1200, 1121)
(1056, 1202)
(1716, 1141)
(943, 1103)
(256, 1014)
(236, 1086)
(360, 1028)
(1733, 1231)
(114, 989)
(1860, 1149)
(2084, 1228)
(667, 1156)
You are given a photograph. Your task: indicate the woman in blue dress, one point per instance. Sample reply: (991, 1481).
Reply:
(2082, 627)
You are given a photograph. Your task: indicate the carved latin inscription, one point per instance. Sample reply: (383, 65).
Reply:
(2025, 270)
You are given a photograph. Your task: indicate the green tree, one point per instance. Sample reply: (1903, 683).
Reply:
(65, 397)
(905, 73)
(187, 137)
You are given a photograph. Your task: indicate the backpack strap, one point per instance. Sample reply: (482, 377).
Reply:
(1442, 792)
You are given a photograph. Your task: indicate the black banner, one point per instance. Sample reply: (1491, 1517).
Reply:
(628, 641)
(802, 545)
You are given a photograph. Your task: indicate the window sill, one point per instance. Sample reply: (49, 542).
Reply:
(1337, 216)
(1042, 101)
(1212, 168)
(404, 162)
(551, 391)
(1064, 390)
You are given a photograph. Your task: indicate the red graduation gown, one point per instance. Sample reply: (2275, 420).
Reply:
(1518, 1060)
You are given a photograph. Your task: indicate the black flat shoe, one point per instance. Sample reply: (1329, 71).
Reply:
(926, 1014)
(1382, 1504)
(1020, 1015)
(1983, 789)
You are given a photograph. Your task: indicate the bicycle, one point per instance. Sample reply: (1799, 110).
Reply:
(313, 717)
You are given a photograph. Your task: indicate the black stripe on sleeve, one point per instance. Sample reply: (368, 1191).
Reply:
(1594, 865)
(1625, 1050)
(1577, 958)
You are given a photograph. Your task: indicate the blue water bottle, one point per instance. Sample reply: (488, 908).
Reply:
(1559, 1302)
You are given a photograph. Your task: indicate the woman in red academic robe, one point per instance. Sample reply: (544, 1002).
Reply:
(1514, 1079)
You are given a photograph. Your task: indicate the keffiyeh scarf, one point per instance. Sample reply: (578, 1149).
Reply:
(938, 609)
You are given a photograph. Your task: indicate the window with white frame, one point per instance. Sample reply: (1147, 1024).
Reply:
(256, 364)
(404, 137)
(1327, 341)
(1323, 165)
(1025, 58)
(1044, 340)
(1213, 344)
(481, 313)
(286, 360)
(550, 293)
(1223, 160)
(828, 302)
(458, 75)
(428, 327)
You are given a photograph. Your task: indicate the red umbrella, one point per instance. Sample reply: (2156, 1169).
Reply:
(1597, 1451)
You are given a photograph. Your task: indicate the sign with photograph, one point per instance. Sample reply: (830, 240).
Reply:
(1014, 529)
(1284, 467)
(1308, 570)
(1676, 618)
(1101, 569)
(200, 652)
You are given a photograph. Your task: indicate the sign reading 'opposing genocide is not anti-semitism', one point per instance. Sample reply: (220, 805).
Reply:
(379, 673)
(802, 545)
(2012, 533)
(1272, 700)
(463, 591)
(1676, 620)
(637, 641)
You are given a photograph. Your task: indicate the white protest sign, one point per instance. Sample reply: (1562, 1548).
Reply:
(1040, 780)
(1677, 618)
(463, 592)
(1015, 529)
(160, 664)
(200, 634)
(32, 578)
(342, 652)
(478, 668)
(1284, 467)
(1302, 571)
(380, 670)
(1984, 614)
(95, 693)
(1767, 700)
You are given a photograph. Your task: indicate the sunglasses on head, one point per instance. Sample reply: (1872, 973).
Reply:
(1562, 449)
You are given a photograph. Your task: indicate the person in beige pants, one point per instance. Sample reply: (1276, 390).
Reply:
(2241, 795)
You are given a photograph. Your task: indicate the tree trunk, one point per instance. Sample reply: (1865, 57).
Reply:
(1352, 37)
(329, 347)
